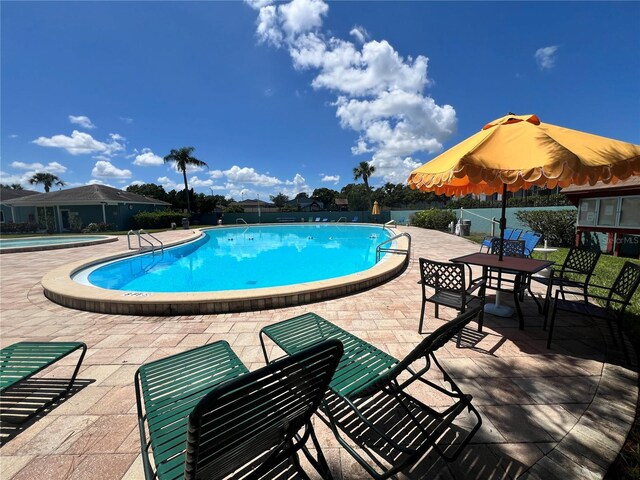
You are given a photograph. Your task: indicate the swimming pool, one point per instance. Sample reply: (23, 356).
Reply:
(245, 258)
(28, 244)
(70, 286)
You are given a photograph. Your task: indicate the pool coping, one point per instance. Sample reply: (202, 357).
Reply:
(60, 288)
(58, 246)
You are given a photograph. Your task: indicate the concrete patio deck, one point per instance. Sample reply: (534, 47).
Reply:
(559, 413)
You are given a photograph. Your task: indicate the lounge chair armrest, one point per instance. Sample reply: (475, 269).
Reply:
(589, 295)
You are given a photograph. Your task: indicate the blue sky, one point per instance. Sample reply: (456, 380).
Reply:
(289, 97)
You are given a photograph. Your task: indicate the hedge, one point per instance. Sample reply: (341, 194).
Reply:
(434, 218)
(162, 219)
(558, 227)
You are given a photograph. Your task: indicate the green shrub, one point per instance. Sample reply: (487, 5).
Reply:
(434, 218)
(558, 227)
(162, 219)
(99, 227)
(21, 227)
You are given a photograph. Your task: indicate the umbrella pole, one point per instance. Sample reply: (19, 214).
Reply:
(503, 220)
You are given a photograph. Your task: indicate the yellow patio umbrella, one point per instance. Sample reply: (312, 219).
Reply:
(376, 208)
(518, 151)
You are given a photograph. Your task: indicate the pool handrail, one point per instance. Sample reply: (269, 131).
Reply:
(143, 232)
(380, 248)
(240, 219)
(342, 219)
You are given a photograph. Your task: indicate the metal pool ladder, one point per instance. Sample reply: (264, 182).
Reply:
(140, 236)
(380, 248)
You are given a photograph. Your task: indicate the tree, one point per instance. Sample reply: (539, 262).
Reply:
(46, 179)
(358, 196)
(183, 159)
(279, 200)
(326, 196)
(13, 186)
(364, 171)
(149, 190)
(302, 196)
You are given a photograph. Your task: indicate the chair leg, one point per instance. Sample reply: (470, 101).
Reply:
(553, 320)
(437, 310)
(424, 303)
(534, 298)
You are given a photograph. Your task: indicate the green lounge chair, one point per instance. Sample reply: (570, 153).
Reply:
(22, 360)
(208, 417)
(367, 399)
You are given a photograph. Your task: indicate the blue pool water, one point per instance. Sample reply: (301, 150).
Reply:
(246, 257)
(38, 241)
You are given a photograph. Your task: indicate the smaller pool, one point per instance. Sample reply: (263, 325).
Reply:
(28, 244)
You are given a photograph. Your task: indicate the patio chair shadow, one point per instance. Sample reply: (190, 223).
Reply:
(27, 402)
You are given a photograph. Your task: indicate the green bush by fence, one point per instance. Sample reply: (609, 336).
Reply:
(434, 218)
(557, 227)
(162, 219)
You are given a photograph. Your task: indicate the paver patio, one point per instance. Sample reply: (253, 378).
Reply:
(560, 413)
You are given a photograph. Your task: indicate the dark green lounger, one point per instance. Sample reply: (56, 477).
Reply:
(21, 361)
(368, 399)
(207, 416)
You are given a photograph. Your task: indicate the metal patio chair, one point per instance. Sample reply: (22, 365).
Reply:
(451, 288)
(368, 399)
(616, 302)
(207, 416)
(576, 272)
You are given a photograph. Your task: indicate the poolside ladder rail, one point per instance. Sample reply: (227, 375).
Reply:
(342, 219)
(381, 248)
(240, 219)
(141, 232)
(391, 222)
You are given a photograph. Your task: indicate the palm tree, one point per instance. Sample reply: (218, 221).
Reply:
(183, 158)
(364, 171)
(46, 179)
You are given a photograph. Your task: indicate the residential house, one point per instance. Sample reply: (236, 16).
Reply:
(89, 204)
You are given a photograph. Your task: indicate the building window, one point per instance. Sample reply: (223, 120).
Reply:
(630, 212)
(607, 212)
(587, 214)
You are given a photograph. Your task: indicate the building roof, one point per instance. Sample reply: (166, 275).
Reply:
(11, 194)
(252, 203)
(86, 195)
(628, 184)
(341, 201)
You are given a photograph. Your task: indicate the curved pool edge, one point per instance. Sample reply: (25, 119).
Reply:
(59, 246)
(60, 288)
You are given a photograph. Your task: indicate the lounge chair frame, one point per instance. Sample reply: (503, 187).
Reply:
(23, 360)
(367, 377)
(209, 417)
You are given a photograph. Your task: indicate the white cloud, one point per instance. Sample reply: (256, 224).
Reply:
(359, 33)
(169, 184)
(51, 167)
(195, 182)
(279, 23)
(82, 121)
(80, 143)
(126, 120)
(380, 94)
(105, 169)
(137, 182)
(248, 175)
(99, 182)
(148, 159)
(330, 178)
(13, 135)
(546, 57)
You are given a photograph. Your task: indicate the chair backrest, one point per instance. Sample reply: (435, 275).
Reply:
(581, 260)
(507, 233)
(515, 235)
(245, 418)
(429, 345)
(317, 219)
(625, 284)
(442, 275)
(355, 219)
(511, 248)
(531, 240)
